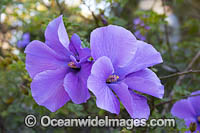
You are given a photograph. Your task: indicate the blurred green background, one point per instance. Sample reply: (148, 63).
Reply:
(171, 26)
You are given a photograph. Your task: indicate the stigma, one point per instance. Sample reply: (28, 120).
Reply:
(112, 78)
(73, 65)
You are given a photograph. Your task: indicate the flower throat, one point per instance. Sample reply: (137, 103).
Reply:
(73, 65)
(112, 78)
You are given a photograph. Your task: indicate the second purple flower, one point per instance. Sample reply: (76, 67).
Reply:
(120, 67)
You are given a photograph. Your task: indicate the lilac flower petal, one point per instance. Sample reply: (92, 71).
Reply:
(75, 44)
(145, 81)
(76, 48)
(114, 42)
(73, 59)
(195, 100)
(146, 56)
(75, 84)
(62, 34)
(124, 95)
(135, 104)
(96, 83)
(39, 57)
(188, 109)
(105, 99)
(102, 68)
(85, 53)
(140, 105)
(183, 110)
(47, 89)
(56, 36)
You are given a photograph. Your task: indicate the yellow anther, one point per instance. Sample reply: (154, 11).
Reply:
(112, 78)
(73, 65)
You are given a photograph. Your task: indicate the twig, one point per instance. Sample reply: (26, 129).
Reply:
(2, 125)
(167, 33)
(47, 6)
(188, 67)
(180, 74)
(59, 6)
(93, 15)
(95, 18)
(178, 82)
(169, 101)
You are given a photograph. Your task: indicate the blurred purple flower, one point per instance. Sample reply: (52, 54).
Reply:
(120, 67)
(142, 24)
(188, 109)
(25, 41)
(147, 27)
(137, 21)
(103, 19)
(138, 24)
(59, 67)
(139, 35)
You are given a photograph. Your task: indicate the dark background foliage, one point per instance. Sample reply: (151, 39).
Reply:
(179, 73)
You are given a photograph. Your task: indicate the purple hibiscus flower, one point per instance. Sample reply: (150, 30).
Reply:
(189, 110)
(137, 21)
(25, 41)
(59, 68)
(120, 67)
(138, 24)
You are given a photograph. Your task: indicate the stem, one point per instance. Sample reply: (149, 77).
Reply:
(171, 100)
(188, 67)
(178, 82)
(180, 74)
(60, 7)
(167, 33)
(93, 15)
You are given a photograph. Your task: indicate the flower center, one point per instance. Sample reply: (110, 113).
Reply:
(198, 119)
(193, 126)
(73, 65)
(112, 78)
